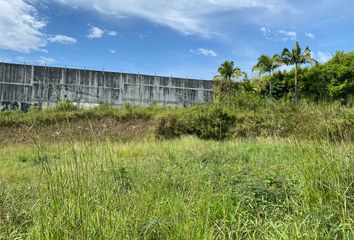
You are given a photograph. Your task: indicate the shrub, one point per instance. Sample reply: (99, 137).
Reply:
(211, 122)
(214, 122)
(171, 126)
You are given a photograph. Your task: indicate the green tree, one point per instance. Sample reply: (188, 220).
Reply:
(333, 80)
(297, 57)
(266, 65)
(224, 86)
(228, 70)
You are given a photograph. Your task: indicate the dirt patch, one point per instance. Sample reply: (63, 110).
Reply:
(83, 129)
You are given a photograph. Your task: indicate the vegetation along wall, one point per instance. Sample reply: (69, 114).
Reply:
(45, 86)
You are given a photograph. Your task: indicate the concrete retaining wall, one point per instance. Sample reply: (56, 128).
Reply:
(47, 85)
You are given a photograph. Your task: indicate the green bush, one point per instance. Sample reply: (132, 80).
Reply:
(171, 126)
(214, 123)
(211, 122)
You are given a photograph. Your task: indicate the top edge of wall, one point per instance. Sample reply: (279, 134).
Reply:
(103, 71)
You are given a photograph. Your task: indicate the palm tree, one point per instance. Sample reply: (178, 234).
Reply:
(297, 57)
(267, 64)
(228, 70)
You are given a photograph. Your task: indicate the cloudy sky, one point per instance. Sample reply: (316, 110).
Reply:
(169, 37)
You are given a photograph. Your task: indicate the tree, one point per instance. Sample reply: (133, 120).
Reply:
(224, 86)
(267, 64)
(297, 57)
(333, 80)
(228, 70)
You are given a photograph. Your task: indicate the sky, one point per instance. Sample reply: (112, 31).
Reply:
(184, 38)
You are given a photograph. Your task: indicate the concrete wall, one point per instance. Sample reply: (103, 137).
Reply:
(47, 85)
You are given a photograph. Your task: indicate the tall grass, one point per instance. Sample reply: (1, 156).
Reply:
(180, 189)
(244, 115)
(305, 120)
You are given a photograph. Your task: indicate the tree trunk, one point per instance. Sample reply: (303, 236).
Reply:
(270, 85)
(296, 92)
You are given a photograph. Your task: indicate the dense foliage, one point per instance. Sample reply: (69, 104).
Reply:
(331, 81)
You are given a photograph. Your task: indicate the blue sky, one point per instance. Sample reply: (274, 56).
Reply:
(169, 37)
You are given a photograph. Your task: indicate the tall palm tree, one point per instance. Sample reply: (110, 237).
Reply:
(267, 64)
(228, 70)
(297, 57)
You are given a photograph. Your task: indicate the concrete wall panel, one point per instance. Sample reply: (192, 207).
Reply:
(47, 85)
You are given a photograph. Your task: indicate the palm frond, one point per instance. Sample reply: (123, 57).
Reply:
(287, 57)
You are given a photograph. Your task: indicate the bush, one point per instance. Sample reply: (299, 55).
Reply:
(171, 126)
(211, 122)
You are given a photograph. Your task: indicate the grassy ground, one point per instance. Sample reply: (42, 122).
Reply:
(282, 171)
(178, 189)
(244, 117)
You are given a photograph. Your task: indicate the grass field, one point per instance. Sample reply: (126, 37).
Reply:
(256, 188)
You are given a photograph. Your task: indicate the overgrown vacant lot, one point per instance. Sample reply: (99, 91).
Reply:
(250, 168)
(264, 188)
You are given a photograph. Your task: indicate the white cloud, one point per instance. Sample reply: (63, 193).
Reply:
(112, 33)
(38, 60)
(204, 52)
(207, 52)
(276, 35)
(323, 57)
(112, 51)
(45, 60)
(95, 32)
(267, 33)
(310, 35)
(288, 35)
(62, 39)
(185, 16)
(6, 60)
(20, 27)
(264, 30)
